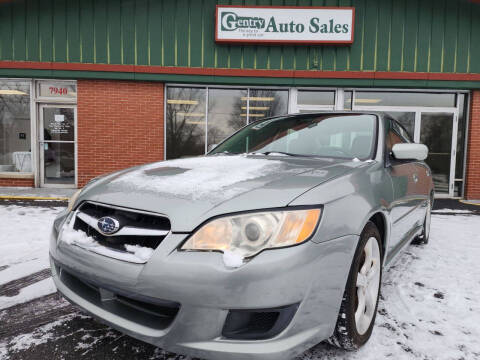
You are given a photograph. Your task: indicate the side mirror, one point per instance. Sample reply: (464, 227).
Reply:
(211, 147)
(410, 151)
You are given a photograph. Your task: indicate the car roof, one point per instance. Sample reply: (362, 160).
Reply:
(332, 112)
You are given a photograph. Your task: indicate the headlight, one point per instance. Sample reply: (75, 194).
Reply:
(72, 200)
(248, 234)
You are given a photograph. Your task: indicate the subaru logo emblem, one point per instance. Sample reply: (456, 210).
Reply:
(108, 225)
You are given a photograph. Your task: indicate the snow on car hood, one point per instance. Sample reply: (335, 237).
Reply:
(189, 191)
(209, 179)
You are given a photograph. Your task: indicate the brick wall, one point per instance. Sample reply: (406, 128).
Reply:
(120, 124)
(17, 182)
(473, 157)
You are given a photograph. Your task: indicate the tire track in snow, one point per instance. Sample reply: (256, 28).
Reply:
(13, 287)
(25, 318)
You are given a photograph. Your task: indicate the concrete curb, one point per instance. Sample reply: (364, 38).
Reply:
(33, 198)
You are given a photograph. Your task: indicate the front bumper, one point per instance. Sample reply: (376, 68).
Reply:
(310, 275)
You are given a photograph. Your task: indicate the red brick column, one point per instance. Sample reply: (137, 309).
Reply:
(120, 124)
(472, 189)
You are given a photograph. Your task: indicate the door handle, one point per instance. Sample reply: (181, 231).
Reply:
(415, 178)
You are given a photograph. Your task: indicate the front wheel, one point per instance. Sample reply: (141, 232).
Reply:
(359, 304)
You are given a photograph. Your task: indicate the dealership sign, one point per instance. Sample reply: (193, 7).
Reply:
(267, 24)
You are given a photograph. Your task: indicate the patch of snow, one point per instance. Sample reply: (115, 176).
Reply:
(450, 211)
(203, 178)
(143, 253)
(24, 240)
(232, 259)
(78, 238)
(429, 307)
(30, 292)
(39, 336)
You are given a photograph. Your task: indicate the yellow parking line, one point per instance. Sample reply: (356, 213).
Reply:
(9, 197)
(469, 203)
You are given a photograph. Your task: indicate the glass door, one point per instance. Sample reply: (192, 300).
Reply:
(438, 130)
(57, 141)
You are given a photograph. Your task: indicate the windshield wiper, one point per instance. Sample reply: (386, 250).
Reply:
(281, 153)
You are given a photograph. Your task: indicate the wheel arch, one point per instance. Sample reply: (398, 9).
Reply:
(380, 221)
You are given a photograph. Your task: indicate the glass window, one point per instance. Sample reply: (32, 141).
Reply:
(462, 119)
(347, 100)
(310, 97)
(392, 139)
(187, 123)
(329, 135)
(436, 132)
(58, 124)
(267, 103)
(185, 117)
(57, 89)
(407, 119)
(227, 112)
(59, 163)
(15, 147)
(372, 98)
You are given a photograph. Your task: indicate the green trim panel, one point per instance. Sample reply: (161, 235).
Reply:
(439, 36)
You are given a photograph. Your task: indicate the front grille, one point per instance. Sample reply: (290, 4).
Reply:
(136, 227)
(153, 313)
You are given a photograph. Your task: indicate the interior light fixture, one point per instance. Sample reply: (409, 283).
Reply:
(193, 122)
(258, 98)
(182, 102)
(191, 114)
(253, 115)
(365, 101)
(12, 92)
(256, 107)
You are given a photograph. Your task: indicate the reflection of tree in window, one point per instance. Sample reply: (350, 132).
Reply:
(267, 103)
(262, 103)
(224, 113)
(14, 119)
(185, 115)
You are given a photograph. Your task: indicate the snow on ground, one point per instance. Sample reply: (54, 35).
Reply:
(24, 235)
(429, 307)
(29, 292)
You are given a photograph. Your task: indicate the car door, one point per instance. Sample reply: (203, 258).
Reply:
(402, 209)
(421, 175)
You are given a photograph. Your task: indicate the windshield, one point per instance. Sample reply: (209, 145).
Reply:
(329, 135)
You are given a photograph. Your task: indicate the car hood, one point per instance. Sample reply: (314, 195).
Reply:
(190, 191)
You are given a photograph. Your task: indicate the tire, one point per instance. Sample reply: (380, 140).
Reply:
(353, 330)
(424, 237)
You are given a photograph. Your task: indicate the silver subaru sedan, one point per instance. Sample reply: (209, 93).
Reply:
(271, 243)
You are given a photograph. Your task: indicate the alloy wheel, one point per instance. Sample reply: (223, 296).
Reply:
(368, 285)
